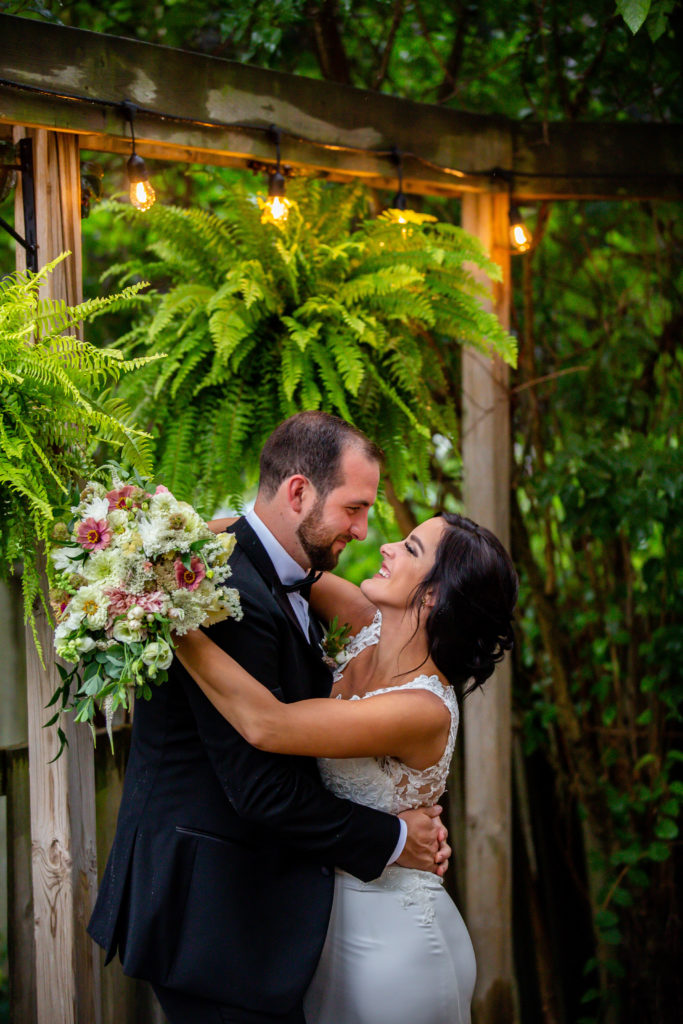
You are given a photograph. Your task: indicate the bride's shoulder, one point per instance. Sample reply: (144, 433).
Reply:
(437, 698)
(366, 636)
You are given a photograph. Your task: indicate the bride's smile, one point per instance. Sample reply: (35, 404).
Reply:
(404, 565)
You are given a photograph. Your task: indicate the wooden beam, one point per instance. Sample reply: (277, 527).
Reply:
(593, 161)
(205, 89)
(487, 714)
(64, 854)
(206, 100)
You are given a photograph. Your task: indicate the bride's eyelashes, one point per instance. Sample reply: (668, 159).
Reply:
(410, 549)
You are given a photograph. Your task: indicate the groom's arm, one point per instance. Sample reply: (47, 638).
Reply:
(279, 793)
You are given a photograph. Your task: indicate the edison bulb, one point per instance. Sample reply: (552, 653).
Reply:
(275, 210)
(142, 195)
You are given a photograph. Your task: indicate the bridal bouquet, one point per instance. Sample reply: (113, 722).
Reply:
(130, 568)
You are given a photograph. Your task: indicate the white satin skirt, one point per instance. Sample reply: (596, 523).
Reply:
(397, 952)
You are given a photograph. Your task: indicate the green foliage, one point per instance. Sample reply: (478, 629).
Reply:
(600, 478)
(653, 13)
(358, 317)
(54, 411)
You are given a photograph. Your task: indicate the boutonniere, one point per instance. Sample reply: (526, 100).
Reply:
(334, 643)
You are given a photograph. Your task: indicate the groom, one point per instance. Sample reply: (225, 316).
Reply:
(219, 885)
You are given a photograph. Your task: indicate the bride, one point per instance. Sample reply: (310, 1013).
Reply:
(427, 628)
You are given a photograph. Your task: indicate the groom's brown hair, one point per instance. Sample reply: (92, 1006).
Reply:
(311, 443)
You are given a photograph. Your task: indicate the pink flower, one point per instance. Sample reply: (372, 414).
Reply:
(189, 579)
(119, 497)
(162, 490)
(93, 534)
(153, 602)
(119, 603)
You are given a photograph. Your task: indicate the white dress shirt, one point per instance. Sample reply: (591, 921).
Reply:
(289, 571)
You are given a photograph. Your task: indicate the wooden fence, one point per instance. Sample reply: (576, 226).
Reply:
(122, 998)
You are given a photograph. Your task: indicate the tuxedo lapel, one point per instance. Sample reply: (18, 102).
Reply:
(258, 556)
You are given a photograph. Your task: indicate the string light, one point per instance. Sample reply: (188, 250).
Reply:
(275, 209)
(142, 194)
(520, 236)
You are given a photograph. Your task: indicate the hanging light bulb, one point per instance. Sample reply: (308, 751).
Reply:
(520, 236)
(142, 194)
(276, 206)
(275, 209)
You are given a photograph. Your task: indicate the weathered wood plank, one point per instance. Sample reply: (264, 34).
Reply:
(62, 793)
(617, 160)
(124, 1000)
(207, 89)
(487, 715)
(21, 942)
(620, 161)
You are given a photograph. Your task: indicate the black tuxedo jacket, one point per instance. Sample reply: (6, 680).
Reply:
(220, 879)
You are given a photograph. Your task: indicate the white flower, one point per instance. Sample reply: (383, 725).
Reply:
(157, 655)
(163, 504)
(105, 566)
(64, 558)
(118, 518)
(153, 534)
(125, 633)
(98, 508)
(91, 604)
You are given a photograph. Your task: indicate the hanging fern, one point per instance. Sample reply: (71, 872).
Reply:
(53, 413)
(357, 316)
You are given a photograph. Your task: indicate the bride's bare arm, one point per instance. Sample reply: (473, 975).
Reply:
(221, 525)
(333, 597)
(411, 725)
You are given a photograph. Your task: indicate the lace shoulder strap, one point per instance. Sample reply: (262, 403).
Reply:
(425, 682)
(365, 637)
(445, 693)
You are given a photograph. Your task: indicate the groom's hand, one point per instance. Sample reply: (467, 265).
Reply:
(426, 846)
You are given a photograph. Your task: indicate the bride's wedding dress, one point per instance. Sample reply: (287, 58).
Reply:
(397, 950)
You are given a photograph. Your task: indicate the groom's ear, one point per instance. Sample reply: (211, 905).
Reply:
(298, 491)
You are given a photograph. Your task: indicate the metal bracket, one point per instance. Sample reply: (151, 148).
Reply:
(30, 242)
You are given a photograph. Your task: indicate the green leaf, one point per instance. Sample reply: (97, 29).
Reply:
(666, 828)
(634, 12)
(642, 761)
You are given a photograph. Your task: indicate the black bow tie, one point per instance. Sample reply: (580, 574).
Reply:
(304, 585)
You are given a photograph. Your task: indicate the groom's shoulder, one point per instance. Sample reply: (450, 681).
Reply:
(244, 574)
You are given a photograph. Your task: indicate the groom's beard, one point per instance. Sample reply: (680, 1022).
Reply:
(316, 541)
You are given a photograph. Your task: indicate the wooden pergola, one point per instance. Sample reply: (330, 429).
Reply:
(63, 88)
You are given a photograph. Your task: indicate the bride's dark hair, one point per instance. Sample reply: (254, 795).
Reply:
(474, 586)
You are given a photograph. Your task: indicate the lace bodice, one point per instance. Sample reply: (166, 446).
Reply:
(387, 784)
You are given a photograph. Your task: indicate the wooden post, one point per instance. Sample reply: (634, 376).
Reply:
(64, 855)
(486, 715)
(21, 943)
